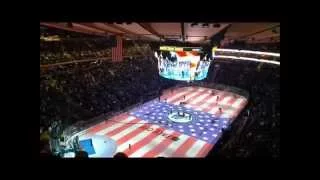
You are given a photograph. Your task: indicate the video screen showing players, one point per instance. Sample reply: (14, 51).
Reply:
(182, 64)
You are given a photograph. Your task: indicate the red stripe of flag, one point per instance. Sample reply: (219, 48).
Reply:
(107, 123)
(122, 128)
(180, 152)
(161, 146)
(132, 134)
(142, 142)
(117, 51)
(204, 150)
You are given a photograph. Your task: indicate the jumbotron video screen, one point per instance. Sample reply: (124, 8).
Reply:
(182, 63)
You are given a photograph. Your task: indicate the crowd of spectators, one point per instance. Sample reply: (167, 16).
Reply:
(96, 87)
(63, 51)
(72, 50)
(256, 131)
(72, 47)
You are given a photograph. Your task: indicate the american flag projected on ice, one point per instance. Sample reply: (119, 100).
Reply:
(147, 130)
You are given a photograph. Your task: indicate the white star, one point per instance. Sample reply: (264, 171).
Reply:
(216, 125)
(205, 138)
(204, 132)
(208, 120)
(211, 129)
(190, 126)
(163, 121)
(198, 124)
(214, 135)
(180, 126)
(159, 117)
(181, 130)
(192, 130)
(169, 125)
(194, 134)
(201, 120)
(206, 124)
(200, 116)
(201, 128)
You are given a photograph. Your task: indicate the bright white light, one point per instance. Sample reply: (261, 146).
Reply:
(261, 53)
(249, 52)
(227, 50)
(248, 59)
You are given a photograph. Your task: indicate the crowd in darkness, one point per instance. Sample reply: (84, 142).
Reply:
(95, 88)
(73, 47)
(256, 131)
(80, 91)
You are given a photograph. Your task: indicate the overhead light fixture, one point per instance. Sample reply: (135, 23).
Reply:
(248, 59)
(249, 52)
(216, 25)
(70, 25)
(194, 24)
(205, 25)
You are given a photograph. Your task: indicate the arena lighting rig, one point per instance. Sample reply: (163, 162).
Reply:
(234, 55)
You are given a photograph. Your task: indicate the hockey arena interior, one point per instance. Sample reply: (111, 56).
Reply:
(159, 90)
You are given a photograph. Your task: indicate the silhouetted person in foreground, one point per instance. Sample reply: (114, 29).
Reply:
(82, 155)
(120, 155)
(45, 151)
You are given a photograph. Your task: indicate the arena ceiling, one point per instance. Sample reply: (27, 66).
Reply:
(189, 32)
